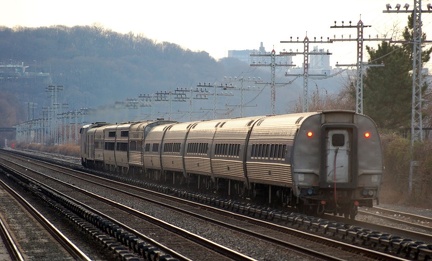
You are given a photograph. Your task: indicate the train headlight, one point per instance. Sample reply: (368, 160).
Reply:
(310, 191)
(371, 193)
(365, 192)
(367, 134)
(309, 134)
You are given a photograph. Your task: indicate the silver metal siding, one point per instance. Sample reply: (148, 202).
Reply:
(109, 157)
(270, 173)
(280, 129)
(234, 131)
(136, 133)
(176, 134)
(121, 157)
(152, 159)
(232, 169)
(201, 132)
(199, 165)
(172, 162)
(99, 137)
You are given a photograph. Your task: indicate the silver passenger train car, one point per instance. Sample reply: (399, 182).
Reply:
(329, 161)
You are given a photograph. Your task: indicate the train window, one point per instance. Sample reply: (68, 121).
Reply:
(122, 147)
(124, 133)
(155, 147)
(281, 152)
(188, 149)
(147, 147)
(253, 151)
(338, 140)
(234, 150)
(272, 151)
(109, 146)
(286, 151)
(133, 146)
(111, 134)
(176, 147)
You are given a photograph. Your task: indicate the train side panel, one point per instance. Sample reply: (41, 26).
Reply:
(198, 147)
(230, 145)
(136, 139)
(84, 144)
(153, 146)
(270, 146)
(89, 149)
(99, 146)
(122, 147)
(173, 147)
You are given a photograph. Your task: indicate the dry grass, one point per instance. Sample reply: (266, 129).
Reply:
(65, 149)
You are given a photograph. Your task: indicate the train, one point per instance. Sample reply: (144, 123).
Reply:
(318, 162)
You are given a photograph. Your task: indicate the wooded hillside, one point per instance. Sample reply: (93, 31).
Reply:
(100, 66)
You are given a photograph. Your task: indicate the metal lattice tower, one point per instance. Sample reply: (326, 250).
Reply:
(417, 77)
(272, 65)
(306, 53)
(359, 82)
(360, 65)
(306, 75)
(417, 80)
(273, 81)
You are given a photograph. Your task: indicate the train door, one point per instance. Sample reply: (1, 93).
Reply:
(339, 153)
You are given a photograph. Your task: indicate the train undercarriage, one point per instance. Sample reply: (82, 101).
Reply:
(262, 194)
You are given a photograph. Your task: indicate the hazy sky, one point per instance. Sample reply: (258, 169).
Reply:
(222, 25)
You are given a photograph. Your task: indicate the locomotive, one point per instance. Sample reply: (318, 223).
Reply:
(319, 162)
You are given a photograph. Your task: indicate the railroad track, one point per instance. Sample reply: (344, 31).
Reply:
(258, 229)
(413, 220)
(33, 236)
(134, 223)
(9, 243)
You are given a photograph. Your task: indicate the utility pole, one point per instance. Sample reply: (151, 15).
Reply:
(170, 97)
(200, 94)
(53, 110)
(306, 53)
(417, 77)
(242, 79)
(272, 65)
(147, 101)
(215, 94)
(359, 63)
(31, 106)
